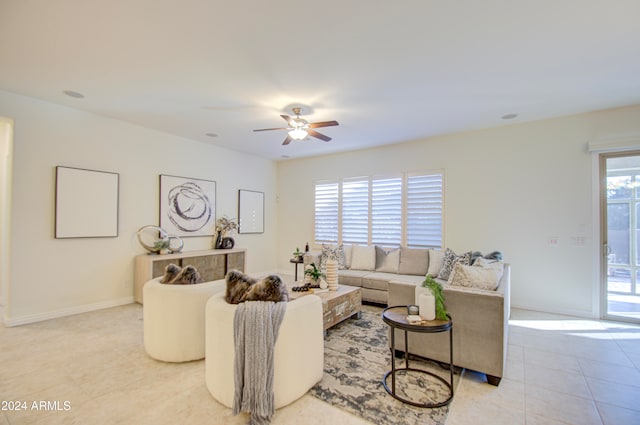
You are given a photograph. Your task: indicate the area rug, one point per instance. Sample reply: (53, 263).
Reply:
(356, 359)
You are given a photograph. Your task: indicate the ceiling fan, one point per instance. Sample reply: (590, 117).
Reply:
(299, 128)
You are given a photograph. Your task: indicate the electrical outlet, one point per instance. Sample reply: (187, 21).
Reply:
(553, 241)
(578, 240)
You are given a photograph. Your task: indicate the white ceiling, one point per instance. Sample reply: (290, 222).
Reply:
(387, 71)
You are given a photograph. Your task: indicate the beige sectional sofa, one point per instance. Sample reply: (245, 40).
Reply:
(480, 316)
(480, 327)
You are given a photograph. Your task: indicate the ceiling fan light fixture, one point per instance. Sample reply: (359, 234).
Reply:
(298, 134)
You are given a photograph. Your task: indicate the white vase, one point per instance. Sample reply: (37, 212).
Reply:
(426, 303)
(332, 275)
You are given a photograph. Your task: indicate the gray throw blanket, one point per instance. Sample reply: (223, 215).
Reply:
(255, 331)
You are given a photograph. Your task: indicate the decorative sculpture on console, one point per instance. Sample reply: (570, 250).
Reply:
(157, 241)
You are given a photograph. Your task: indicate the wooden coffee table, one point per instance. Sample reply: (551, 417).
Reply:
(337, 305)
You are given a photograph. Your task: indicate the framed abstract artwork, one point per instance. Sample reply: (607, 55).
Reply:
(187, 206)
(250, 211)
(86, 203)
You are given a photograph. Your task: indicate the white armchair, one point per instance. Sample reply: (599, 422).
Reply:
(298, 357)
(173, 319)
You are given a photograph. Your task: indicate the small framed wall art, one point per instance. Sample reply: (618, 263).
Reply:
(86, 203)
(187, 206)
(250, 211)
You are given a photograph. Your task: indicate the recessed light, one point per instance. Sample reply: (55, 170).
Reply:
(285, 156)
(211, 134)
(74, 94)
(509, 116)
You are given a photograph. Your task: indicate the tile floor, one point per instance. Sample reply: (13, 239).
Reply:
(561, 370)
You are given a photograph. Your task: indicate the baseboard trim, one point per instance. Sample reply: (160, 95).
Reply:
(32, 318)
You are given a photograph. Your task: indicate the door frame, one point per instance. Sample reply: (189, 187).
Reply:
(603, 233)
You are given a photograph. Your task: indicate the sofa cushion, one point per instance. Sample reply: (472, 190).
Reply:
(475, 277)
(414, 261)
(387, 260)
(378, 280)
(363, 257)
(408, 278)
(436, 257)
(450, 260)
(351, 277)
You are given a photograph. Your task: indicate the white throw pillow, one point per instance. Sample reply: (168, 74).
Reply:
(347, 255)
(436, 257)
(363, 257)
(387, 261)
(493, 264)
(474, 277)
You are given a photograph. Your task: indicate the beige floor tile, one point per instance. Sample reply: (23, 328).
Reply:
(607, 372)
(509, 394)
(615, 415)
(97, 362)
(630, 344)
(635, 359)
(470, 412)
(545, 420)
(615, 394)
(559, 407)
(37, 379)
(551, 360)
(556, 380)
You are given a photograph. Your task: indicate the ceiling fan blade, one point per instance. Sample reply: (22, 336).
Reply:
(323, 124)
(288, 119)
(287, 140)
(267, 129)
(318, 135)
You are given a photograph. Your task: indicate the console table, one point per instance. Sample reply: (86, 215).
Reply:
(212, 264)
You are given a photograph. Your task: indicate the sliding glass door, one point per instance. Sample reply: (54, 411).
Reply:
(620, 209)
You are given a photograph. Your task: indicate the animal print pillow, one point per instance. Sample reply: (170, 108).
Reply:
(174, 275)
(170, 273)
(449, 262)
(270, 288)
(237, 285)
(242, 287)
(335, 252)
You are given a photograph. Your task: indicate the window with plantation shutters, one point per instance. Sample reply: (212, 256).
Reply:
(389, 211)
(326, 212)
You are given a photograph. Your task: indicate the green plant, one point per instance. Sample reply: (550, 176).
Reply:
(436, 290)
(161, 244)
(297, 252)
(313, 271)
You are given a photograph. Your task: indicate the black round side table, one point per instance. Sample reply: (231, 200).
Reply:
(396, 318)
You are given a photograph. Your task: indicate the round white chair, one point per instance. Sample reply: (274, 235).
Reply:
(174, 319)
(298, 353)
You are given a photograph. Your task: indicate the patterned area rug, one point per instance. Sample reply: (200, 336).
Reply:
(356, 359)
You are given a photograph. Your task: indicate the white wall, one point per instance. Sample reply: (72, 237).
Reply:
(51, 276)
(6, 148)
(509, 189)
